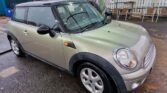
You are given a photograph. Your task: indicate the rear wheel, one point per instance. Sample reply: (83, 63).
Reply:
(94, 79)
(16, 48)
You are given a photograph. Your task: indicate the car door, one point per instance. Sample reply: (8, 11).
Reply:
(44, 47)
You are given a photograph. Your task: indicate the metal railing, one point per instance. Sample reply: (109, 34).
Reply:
(138, 8)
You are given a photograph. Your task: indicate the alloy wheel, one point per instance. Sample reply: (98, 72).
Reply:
(92, 80)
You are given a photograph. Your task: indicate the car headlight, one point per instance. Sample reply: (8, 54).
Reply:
(125, 58)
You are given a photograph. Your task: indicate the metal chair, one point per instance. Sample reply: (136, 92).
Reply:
(149, 12)
(161, 8)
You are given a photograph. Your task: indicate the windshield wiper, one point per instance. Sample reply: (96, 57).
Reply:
(85, 28)
(89, 26)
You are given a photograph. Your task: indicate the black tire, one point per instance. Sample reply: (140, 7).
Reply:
(108, 88)
(20, 52)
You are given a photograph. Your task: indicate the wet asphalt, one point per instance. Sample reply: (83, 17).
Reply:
(29, 75)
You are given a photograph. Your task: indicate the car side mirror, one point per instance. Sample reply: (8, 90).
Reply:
(108, 16)
(108, 12)
(43, 29)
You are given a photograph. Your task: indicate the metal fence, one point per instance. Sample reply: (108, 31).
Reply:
(137, 3)
(137, 8)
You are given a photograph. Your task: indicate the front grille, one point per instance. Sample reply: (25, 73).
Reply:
(150, 56)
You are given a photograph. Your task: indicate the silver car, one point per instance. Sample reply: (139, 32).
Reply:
(106, 56)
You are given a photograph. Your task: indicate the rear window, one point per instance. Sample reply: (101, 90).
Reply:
(19, 14)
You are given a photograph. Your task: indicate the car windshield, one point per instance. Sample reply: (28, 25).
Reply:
(79, 17)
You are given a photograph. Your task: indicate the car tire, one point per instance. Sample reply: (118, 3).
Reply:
(16, 48)
(92, 78)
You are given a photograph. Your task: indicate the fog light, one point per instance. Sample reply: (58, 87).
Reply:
(135, 85)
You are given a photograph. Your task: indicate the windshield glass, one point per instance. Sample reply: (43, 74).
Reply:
(79, 17)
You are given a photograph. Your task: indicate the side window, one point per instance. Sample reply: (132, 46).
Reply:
(41, 15)
(19, 14)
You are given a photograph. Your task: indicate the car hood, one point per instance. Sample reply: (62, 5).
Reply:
(117, 33)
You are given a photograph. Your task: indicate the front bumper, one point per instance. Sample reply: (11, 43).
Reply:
(136, 79)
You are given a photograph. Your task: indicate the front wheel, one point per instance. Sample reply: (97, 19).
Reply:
(94, 79)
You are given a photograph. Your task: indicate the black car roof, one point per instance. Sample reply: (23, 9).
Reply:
(46, 2)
